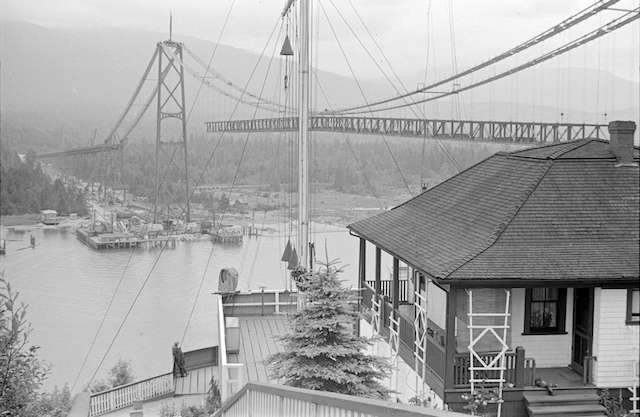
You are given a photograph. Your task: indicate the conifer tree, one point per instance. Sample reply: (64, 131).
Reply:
(322, 352)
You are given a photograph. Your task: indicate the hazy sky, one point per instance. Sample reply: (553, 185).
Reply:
(481, 28)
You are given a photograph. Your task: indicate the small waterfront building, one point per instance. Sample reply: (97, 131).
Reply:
(524, 272)
(49, 217)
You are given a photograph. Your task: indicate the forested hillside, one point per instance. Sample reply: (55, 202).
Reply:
(25, 188)
(357, 166)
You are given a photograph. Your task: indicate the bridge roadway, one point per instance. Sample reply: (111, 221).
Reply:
(465, 130)
(80, 151)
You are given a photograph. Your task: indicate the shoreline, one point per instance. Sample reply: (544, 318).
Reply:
(27, 219)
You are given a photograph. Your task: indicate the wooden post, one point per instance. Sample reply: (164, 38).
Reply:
(362, 278)
(450, 345)
(396, 283)
(362, 270)
(520, 371)
(384, 316)
(378, 267)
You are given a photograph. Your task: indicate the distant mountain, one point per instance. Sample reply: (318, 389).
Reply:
(72, 81)
(61, 84)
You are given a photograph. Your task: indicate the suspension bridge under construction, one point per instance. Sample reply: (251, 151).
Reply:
(171, 151)
(292, 111)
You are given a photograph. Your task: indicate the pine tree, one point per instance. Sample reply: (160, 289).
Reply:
(22, 373)
(322, 352)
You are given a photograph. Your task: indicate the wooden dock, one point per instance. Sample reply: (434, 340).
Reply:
(258, 341)
(123, 240)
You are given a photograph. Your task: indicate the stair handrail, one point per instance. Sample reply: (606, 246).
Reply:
(108, 400)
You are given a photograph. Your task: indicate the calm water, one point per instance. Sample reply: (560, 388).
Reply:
(67, 287)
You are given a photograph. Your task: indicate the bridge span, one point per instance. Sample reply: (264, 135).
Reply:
(86, 150)
(466, 130)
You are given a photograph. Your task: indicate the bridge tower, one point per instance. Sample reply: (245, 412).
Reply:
(171, 128)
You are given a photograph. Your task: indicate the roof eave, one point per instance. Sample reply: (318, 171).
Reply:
(612, 282)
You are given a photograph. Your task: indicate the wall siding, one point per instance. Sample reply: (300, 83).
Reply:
(547, 350)
(437, 305)
(485, 300)
(616, 345)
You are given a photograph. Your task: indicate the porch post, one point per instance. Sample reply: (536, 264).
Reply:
(362, 273)
(378, 266)
(396, 283)
(362, 278)
(520, 371)
(450, 346)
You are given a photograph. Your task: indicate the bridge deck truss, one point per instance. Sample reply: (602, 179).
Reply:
(463, 130)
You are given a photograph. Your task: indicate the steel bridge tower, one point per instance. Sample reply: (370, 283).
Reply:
(171, 137)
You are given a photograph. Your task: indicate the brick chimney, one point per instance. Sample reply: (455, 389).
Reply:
(621, 140)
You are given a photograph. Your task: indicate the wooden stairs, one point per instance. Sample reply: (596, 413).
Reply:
(565, 402)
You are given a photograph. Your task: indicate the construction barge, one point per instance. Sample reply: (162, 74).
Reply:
(228, 235)
(120, 240)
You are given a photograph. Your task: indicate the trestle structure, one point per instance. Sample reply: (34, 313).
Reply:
(635, 395)
(394, 339)
(375, 315)
(420, 337)
(394, 344)
(462, 130)
(476, 333)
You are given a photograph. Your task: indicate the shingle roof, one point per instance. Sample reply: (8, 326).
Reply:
(551, 213)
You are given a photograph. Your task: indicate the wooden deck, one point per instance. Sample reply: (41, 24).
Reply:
(197, 381)
(257, 342)
(562, 377)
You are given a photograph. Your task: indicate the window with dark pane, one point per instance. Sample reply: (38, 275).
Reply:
(633, 306)
(545, 310)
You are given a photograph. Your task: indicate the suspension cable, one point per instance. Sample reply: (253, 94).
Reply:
(233, 112)
(124, 319)
(226, 82)
(133, 97)
(573, 20)
(233, 183)
(376, 63)
(359, 164)
(412, 105)
(613, 25)
(335, 35)
(213, 54)
(104, 317)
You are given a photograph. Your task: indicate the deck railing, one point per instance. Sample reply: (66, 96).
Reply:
(123, 396)
(519, 370)
(278, 400)
(260, 303)
(386, 288)
(436, 359)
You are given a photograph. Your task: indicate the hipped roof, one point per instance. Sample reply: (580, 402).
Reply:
(553, 213)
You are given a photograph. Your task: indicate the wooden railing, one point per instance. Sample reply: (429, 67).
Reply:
(123, 396)
(279, 400)
(365, 294)
(519, 370)
(386, 288)
(260, 303)
(436, 358)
